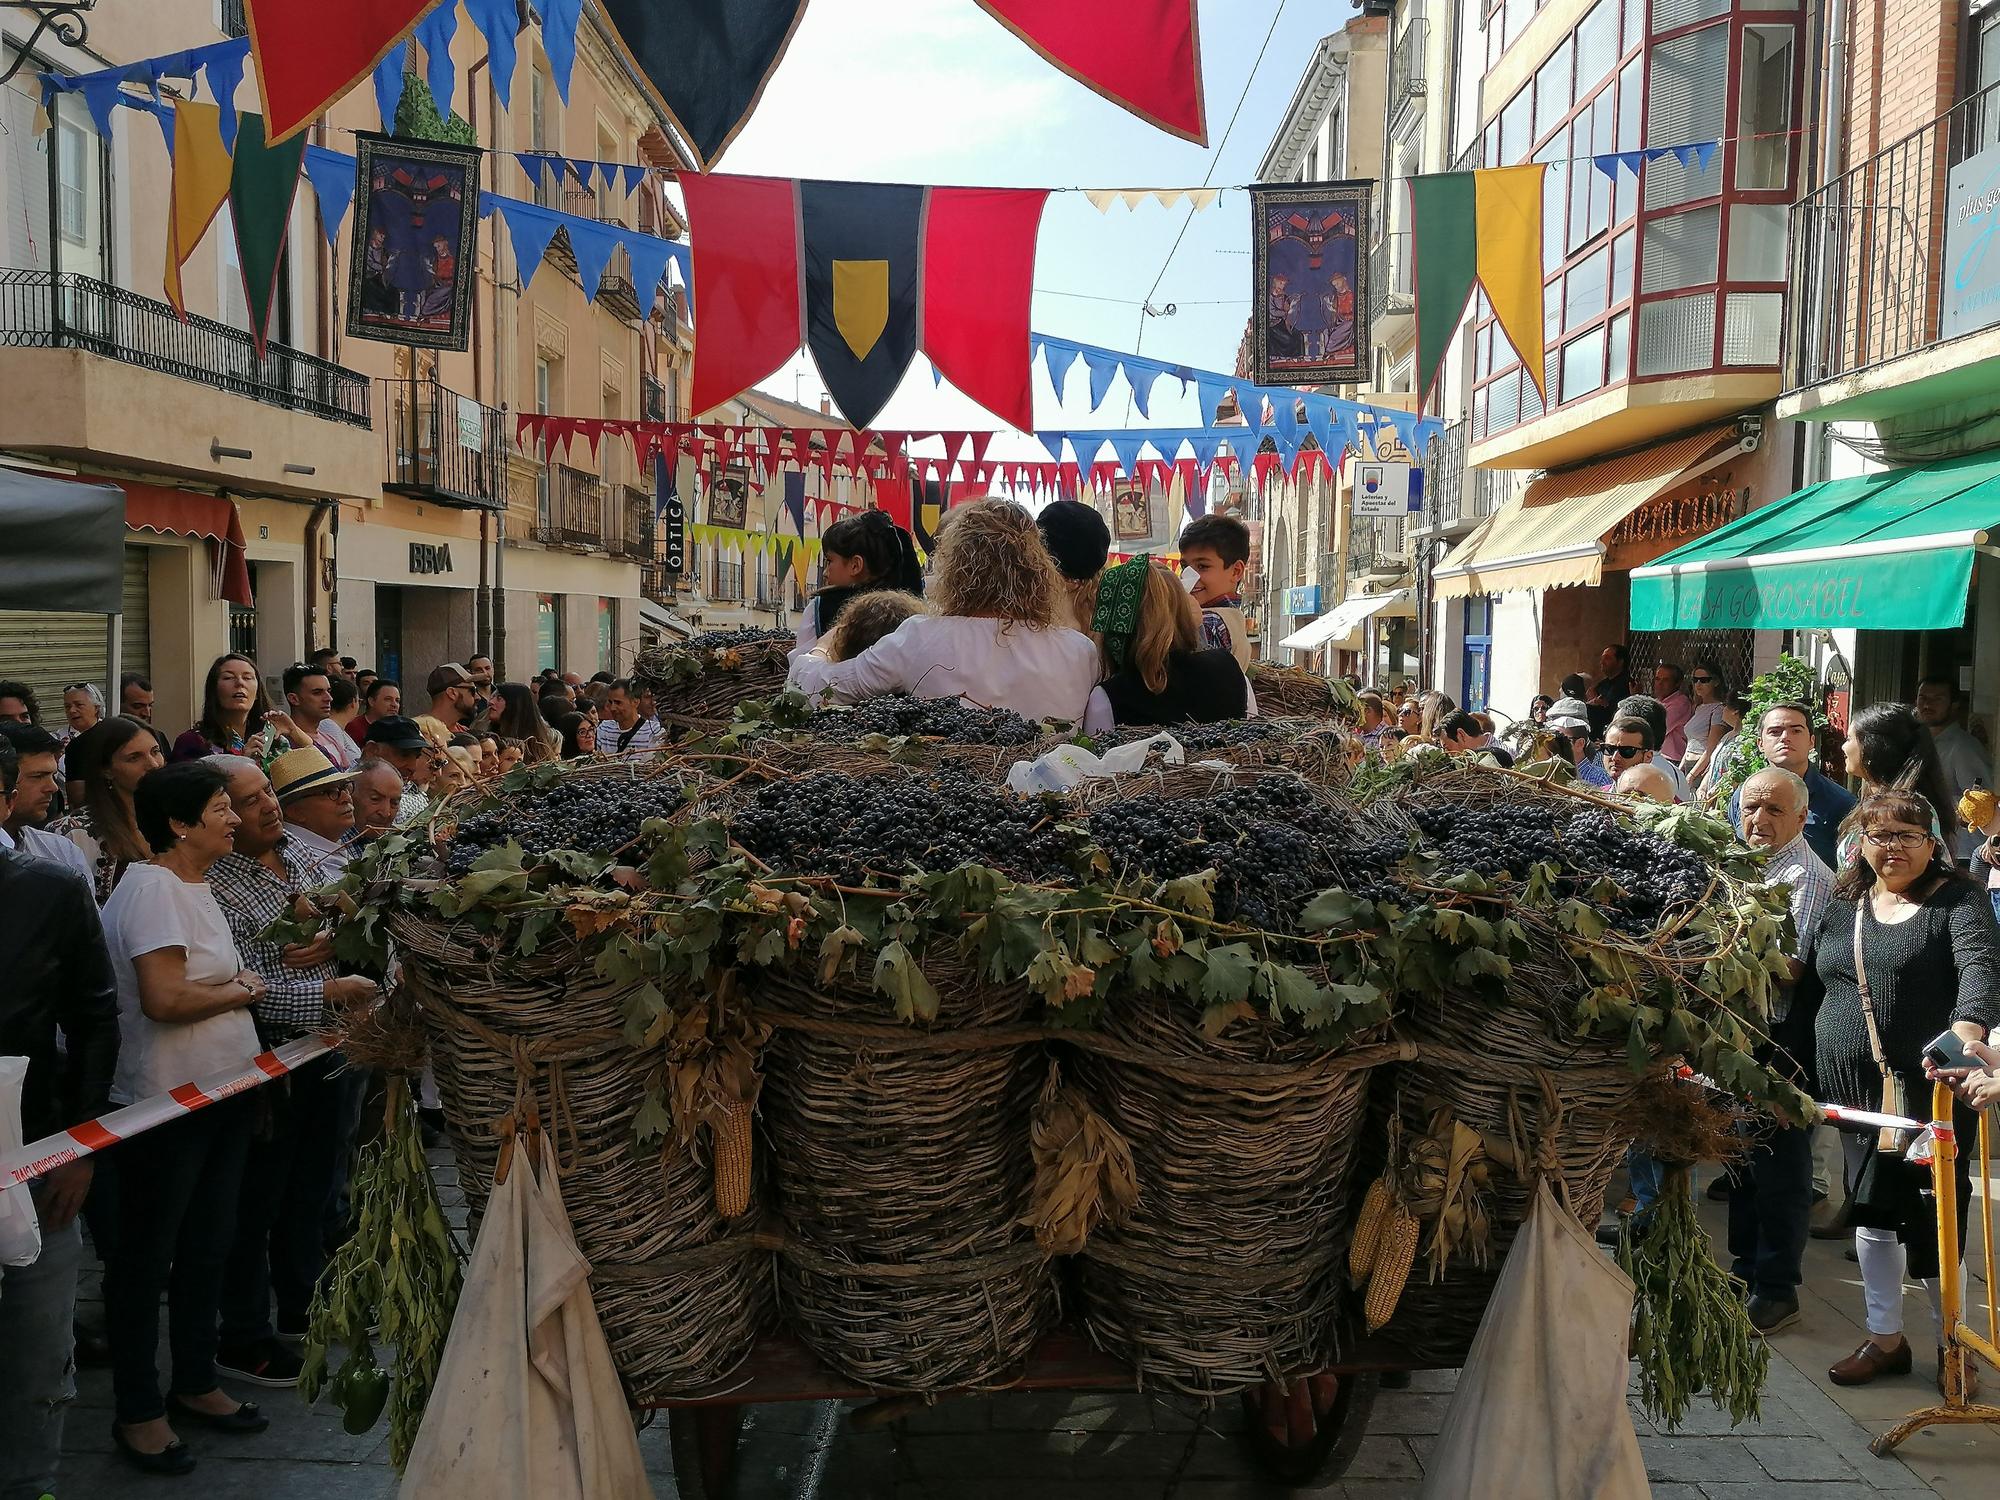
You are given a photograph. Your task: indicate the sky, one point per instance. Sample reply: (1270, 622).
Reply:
(937, 92)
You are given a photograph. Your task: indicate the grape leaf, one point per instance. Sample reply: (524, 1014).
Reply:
(897, 976)
(1227, 973)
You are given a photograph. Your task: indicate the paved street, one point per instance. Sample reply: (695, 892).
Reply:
(1811, 1445)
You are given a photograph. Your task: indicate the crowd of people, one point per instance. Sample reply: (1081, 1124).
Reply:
(141, 877)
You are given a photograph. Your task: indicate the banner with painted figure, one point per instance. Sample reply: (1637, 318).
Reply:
(411, 262)
(1309, 291)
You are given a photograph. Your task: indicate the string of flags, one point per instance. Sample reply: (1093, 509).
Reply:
(547, 166)
(219, 65)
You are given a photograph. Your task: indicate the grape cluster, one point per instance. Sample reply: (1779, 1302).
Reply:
(855, 828)
(1224, 734)
(725, 640)
(947, 719)
(1653, 876)
(600, 814)
(1272, 844)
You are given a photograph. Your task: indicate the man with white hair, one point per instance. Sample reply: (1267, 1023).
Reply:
(1646, 781)
(1770, 1198)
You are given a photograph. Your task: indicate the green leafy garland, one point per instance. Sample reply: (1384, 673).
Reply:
(1790, 681)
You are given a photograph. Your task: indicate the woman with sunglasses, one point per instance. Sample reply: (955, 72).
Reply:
(1908, 948)
(1709, 721)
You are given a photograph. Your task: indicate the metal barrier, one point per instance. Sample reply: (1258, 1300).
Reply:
(1961, 1339)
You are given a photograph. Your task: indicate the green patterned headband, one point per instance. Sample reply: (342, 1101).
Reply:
(1120, 591)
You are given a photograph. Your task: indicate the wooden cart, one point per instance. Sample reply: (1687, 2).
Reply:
(704, 1429)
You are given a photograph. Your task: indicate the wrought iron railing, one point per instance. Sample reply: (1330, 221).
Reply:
(639, 537)
(234, 21)
(42, 310)
(1389, 274)
(1379, 544)
(1868, 277)
(727, 581)
(659, 585)
(576, 507)
(439, 445)
(1406, 69)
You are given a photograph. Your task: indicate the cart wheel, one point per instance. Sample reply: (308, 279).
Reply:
(702, 1440)
(1336, 1436)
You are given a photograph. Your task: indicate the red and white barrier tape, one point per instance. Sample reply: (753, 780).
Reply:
(65, 1146)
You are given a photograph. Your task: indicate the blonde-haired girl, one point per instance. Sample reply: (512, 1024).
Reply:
(999, 638)
(1160, 673)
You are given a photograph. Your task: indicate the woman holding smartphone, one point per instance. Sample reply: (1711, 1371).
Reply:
(1908, 949)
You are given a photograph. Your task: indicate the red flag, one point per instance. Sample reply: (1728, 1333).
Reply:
(746, 280)
(1142, 54)
(309, 53)
(892, 498)
(979, 275)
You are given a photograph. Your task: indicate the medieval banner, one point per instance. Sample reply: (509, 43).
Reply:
(1309, 289)
(415, 234)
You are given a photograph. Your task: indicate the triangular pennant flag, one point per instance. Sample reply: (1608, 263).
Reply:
(1285, 417)
(200, 187)
(223, 73)
(530, 228)
(1141, 375)
(497, 21)
(1101, 199)
(1350, 430)
(607, 175)
(1654, 153)
(435, 33)
(1704, 152)
(1203, 198)
(1204, 446)
(532, 164)
(263, 187)
(100, 96)
(980, 442)
(1211, 393)
(1319, 420)
(1143, 55)
(1406, 424)
(559, 23)
(1102, 368)
(649, 255)
(1133, 197)
(389, 84)
(592, 244)
(1053, 441)
(1127, 445)
(1059, 357)
(579, 171)
(1607, 164)
(1631, 161)
(332, 177)
(1684, 155)
(633, 177)
(309, 53)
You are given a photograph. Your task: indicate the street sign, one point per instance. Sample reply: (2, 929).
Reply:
(1303, 600)
(1382, 489)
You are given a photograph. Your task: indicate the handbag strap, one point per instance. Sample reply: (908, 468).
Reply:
(1861, 982)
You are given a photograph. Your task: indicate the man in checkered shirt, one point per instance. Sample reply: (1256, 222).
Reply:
(294, 1158)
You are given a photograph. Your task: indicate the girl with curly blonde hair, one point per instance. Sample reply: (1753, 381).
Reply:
(999, 639)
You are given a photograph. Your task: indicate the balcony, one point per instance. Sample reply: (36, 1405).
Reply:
(1456, 498)
(441, 446)
(1390, 289)
(1406, 69)
(638, 538)
(234, 21)
(1895, 312)
(726, 583)
(1378, 547)
(95, 371)
(571, 510)
(652, 399)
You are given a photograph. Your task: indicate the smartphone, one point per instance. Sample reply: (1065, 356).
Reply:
(1947, 1050)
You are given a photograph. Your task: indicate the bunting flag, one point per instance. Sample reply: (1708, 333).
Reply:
(1143, 55)
(1197, 199)
(263, 182)
(858, 273)
(308, 55)
(201, 185)
(220, 65)
(1478, 229)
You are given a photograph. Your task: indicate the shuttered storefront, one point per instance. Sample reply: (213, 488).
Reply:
(49, 651)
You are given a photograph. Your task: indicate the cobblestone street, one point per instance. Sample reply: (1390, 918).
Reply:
(1812, 1443)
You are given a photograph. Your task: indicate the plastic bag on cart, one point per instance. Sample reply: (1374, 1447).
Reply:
(1548, 1361)
(20, 1230)
(1068, 765)
(527, 1404)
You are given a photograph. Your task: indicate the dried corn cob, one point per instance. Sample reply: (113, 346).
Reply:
(731, 1130)
(1394, 1254)
(1361, 1250)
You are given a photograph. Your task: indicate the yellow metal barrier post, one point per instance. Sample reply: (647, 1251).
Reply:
(1961, 1340)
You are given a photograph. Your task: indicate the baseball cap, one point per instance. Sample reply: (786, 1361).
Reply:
(398, 733)
(1076, 537)
(446, 676)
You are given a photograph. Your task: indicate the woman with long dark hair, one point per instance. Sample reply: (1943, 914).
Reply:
(109, 760)
(520, 718)
(1908, 948)
(236, 716)
(1889, 749)
(861, 553)
(579, 736)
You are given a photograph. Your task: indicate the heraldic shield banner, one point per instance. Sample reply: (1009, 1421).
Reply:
(415, 243)
(1309, 296)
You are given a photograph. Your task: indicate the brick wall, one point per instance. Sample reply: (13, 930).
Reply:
(1902, 69)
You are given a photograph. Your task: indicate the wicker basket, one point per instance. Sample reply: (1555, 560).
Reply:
(698, 691)
(902, 1172)
(681, 1297)
(1229, 1271)
(1293, 692)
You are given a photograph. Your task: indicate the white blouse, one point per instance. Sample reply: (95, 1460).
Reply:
(1039, 674)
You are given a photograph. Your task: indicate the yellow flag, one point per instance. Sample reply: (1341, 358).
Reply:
(201, 186)
(1508, 229)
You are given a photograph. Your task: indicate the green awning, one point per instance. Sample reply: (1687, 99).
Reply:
(1885, 551)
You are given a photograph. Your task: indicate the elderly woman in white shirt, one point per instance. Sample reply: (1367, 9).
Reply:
(999, 637)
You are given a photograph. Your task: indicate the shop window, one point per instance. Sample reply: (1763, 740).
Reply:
(1764, 109)
(1687, 101)
(607, 638)
(1681, 250)
(1757, 241)
(243, 622)
(1676, 334)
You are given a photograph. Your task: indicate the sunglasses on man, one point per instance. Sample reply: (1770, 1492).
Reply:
(1623, 752)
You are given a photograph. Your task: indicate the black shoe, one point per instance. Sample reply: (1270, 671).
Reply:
(263, 1361)
(1718, 1190)
(1769, 1314)
(93, 1349)
(244, 1420)
(173, 1460)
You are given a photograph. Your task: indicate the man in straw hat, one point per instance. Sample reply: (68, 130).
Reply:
(316, 799)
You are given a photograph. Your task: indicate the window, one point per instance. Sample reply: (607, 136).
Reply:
(607, 638)
(72, 190)
(1621, 265)
(1757, 234)
(1688, 102)
(1552, 91)
(548, 185)
(1680, 250)
(1764, 109)
(544, 379)
(1585, 293)
(1619, 347)
(1596, 46)
(1677, 333)
(1751, 324)
(1312, 162)
(1517, 129)
(1583, 365)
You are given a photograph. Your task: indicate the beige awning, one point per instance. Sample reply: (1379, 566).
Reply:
(1551, 536)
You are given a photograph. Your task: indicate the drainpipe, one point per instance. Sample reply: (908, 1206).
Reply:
(1832, 141)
